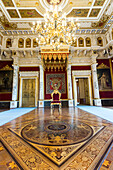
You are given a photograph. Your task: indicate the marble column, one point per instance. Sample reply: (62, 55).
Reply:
(41, 94)
(70, 98)
(97, 100)
(13, 103)
(75, 90)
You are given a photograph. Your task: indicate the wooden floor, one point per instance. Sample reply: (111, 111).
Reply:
(45, 139)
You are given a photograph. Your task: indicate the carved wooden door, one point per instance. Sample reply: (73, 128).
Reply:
(28, 93)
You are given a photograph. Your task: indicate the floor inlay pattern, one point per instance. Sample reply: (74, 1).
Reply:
(57, 133)
(70, 140)
(6, 161)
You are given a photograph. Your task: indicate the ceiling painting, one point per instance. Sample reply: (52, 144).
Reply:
(86, 12)
(8, 3)
(99, 2)
(29, 13)
(78, 13)
(94, 12)
(13, 13)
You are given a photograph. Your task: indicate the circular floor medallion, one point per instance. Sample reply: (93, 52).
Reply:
(57, 133)
(57, 127)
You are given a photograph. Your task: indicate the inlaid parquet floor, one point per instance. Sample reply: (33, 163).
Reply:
(46, 139)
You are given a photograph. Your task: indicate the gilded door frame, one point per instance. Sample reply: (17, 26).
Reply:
(29, 75)
(82, 74)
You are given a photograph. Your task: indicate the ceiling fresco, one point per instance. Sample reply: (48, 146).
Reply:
(86, 11)
(8, 3)
(94, 12)
(78, 13)
(99, 2)
(29, 13)
(13, 13)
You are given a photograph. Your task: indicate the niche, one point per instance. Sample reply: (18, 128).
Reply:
(21, 43)
(99, 41)
(8, 43)
(88, 42)
(81, 42)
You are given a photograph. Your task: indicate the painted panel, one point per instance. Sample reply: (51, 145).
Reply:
(99, 2)
(6, 79)
(94, 12)
(78, 13)
(29, 13)
(104, 79)
(8, 3)
(13, 13)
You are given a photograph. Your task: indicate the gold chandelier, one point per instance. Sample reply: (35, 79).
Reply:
(56, 29)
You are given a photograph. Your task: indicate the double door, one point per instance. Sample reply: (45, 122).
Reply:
(28, 92)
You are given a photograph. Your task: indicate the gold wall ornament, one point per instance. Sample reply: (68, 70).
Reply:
(90, 2)
(50, 57)
(70, 3)
(18, 4)
(102, 66)
(54, 61)
(7, 67)
(37, 3)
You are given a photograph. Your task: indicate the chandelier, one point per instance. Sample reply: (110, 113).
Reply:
(56, 29)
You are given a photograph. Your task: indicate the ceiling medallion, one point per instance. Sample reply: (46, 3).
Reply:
(54, 2)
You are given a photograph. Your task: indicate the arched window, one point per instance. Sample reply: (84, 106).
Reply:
(8, 43)
(81, 42)
(28, 43)
(21, 43)
(74, 42)
(99, 41)
(35, 43)
(88, 42)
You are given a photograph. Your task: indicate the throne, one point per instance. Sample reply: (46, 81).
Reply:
(56, 95)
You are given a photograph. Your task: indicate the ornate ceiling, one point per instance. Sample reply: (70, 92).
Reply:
(92, 14)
